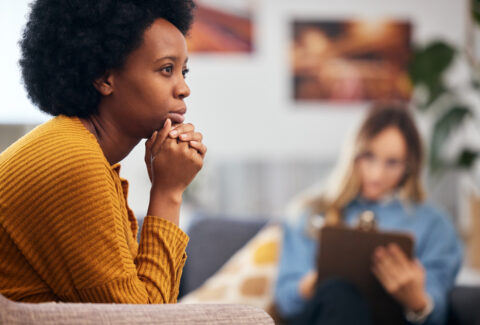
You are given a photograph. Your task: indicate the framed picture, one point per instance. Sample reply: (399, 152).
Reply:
(222, 27)
(350, 60)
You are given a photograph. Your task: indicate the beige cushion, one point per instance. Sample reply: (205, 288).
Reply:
(248, 277)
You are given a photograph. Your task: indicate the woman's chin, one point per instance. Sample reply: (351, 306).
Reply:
(372, 195)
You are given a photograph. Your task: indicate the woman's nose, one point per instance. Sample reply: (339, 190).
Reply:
(182, 90)
(377, 170)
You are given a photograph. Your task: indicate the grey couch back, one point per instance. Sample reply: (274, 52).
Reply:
(213, 240)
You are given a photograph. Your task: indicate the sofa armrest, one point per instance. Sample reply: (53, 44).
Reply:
(69, 313)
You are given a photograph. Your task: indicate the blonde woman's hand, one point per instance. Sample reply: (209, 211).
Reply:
(306, 287)
(401, 277)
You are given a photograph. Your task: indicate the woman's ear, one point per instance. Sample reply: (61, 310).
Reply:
(104, 84)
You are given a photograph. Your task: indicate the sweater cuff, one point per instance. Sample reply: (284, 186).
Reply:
(172, 236)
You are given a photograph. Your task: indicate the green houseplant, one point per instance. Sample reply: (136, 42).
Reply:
(443, 102)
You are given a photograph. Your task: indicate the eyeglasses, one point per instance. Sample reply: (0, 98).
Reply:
(391, 165)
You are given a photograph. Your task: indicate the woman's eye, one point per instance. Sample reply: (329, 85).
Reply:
(185, 72)
(168, 69)
(368, 156)
(393, 162)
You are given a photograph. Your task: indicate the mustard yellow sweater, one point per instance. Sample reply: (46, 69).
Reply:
(66, 231)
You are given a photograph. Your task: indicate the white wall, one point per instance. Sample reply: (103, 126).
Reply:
(242, 104)
(247, 99)
(14, 105)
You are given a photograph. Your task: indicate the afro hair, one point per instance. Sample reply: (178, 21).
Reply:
(67, 44)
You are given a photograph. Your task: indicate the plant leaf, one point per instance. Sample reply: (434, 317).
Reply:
(428, 67)
(442, 129)
(435, 91)
(428, 64)
(476, 10)
(467, 158)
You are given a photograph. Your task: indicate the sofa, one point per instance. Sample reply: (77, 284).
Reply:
(214, 239)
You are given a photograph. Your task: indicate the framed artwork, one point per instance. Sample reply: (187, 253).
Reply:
(222, 27)
(350, 60)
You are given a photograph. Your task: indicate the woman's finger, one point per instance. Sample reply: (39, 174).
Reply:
(418, 265)
(386, 278)
(161, 136)
(402, 262)
(148, 146)
(191, 136)
(382, 277)
(148, 153)
(382, 265)
(181, 129)
(199, 146)
(378, 274)
(151, 140)
(385, 262)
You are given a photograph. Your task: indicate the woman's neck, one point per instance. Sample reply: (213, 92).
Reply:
(114, 143)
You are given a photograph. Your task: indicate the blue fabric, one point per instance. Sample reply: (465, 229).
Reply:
(437, 246)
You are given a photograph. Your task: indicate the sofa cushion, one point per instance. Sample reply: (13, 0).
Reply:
(248, 277)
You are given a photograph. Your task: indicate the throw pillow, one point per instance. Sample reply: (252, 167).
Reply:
(248, 277)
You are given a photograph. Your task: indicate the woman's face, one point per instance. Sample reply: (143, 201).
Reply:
(151, 87)
(382, 166)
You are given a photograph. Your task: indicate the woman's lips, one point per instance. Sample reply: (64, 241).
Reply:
(177, 117)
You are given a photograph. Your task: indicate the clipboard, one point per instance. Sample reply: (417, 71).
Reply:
(346, 253)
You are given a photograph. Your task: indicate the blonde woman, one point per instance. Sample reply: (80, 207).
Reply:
(381, 173)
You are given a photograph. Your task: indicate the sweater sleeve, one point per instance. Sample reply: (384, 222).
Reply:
(93, 252)
(158, 270)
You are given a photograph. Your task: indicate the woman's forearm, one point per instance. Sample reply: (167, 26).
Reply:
(165, 204)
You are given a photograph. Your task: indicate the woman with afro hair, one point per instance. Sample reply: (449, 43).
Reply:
(111, 73)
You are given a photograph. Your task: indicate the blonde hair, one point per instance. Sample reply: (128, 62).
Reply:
(344, 184)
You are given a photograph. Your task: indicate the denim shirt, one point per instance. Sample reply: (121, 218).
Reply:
(437, 246)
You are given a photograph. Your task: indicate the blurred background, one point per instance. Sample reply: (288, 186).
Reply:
(278, 86)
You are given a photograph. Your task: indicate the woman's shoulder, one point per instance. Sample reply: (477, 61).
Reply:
(304, 225)
(430, 210)
(55, 164)
(61, 136)
(434, 216)
(63, 132)
(61, 147)
(298, 220)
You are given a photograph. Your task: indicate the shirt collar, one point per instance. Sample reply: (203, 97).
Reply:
(393, 198)
(387, 199)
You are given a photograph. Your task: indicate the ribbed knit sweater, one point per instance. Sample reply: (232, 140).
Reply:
(66, 231)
